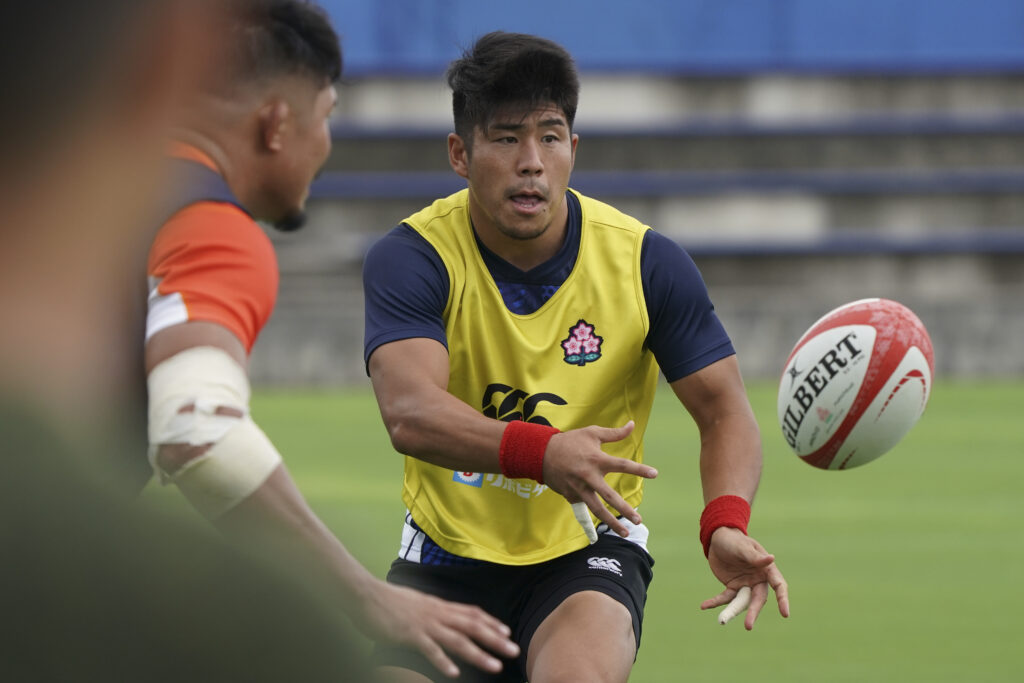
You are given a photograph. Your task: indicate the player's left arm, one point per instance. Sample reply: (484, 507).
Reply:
(730, 465)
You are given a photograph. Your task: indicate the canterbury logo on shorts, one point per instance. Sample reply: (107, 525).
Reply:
(605, 563)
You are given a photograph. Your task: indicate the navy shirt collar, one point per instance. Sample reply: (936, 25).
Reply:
(555, 270)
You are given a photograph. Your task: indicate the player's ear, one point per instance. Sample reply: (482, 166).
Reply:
(273, 119)
(458, 155)
(575, 141)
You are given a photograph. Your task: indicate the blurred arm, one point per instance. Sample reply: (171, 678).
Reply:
(277, 522)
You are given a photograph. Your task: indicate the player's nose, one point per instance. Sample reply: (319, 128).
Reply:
(529, 161)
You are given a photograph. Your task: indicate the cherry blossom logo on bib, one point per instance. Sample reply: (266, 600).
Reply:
(582, 346)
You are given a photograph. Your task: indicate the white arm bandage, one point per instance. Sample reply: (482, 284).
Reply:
(241, 456)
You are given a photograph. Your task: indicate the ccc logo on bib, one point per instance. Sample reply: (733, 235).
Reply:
(507, 404)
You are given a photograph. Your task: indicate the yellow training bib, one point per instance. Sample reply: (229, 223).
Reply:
(577, 361)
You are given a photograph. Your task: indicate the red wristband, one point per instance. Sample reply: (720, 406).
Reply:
(521, 454)
(731, 511)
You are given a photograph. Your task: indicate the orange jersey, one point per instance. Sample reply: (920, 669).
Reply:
(212, 262)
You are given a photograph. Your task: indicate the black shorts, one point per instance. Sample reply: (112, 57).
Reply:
(523, 596)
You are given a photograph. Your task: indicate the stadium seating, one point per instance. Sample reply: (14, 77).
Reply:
(802, 159)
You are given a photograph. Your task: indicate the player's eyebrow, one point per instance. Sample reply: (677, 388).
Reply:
(552, 122)
(545, 123)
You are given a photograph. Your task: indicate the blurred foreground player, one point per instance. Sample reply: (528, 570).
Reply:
(519, 306)
(249, 149)
(92, 587)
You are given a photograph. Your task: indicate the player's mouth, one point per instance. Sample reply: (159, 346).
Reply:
(528, 201)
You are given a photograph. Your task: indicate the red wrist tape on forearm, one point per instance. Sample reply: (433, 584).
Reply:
(731, 511)
(521, 454)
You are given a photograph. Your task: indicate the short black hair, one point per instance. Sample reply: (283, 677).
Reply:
(510, 70)
(284, 37)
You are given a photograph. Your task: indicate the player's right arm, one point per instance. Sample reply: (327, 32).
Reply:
(408, 366)
(203, 439)
(699, 362)
(275, 518)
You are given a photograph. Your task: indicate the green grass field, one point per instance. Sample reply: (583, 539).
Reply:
(907, 569)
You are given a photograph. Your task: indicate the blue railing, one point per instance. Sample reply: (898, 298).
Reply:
(695, 36)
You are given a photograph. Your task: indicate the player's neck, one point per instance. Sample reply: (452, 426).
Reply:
(231, 159)
(207, 146)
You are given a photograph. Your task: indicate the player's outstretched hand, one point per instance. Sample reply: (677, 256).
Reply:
(575, 466)
(437, 628)
(738, 560)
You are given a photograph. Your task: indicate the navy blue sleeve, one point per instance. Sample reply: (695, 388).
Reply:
(685, 333)
(405, 287)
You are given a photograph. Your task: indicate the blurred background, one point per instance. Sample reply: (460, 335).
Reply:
(805, 152)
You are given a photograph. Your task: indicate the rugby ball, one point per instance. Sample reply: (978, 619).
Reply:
(855, 383)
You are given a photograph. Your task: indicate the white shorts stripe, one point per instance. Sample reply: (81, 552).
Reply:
(412, 542)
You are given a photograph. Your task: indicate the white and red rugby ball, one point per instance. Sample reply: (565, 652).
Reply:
(855, 383)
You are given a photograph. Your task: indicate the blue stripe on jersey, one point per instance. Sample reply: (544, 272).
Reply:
(525, 299)
(432, 553)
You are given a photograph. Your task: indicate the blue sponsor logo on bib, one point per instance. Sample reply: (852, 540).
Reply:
(471, 478)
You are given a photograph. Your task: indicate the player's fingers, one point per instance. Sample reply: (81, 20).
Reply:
(434, 653)
(477, 615)
(781, 588)
(612, 497)
(722, 598)
(602, 513)
(736, 606)
(612, 464)
(486, 630)
(758, 596)
(755, 555)
(582, 514)
(475, 623)
(458, 644)
(606, 434)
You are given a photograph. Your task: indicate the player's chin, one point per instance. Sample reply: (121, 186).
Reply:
(291, 220)
(519, 229)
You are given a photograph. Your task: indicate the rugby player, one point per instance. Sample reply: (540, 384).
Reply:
(514, 333)
(249, 149)
(94, 586)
